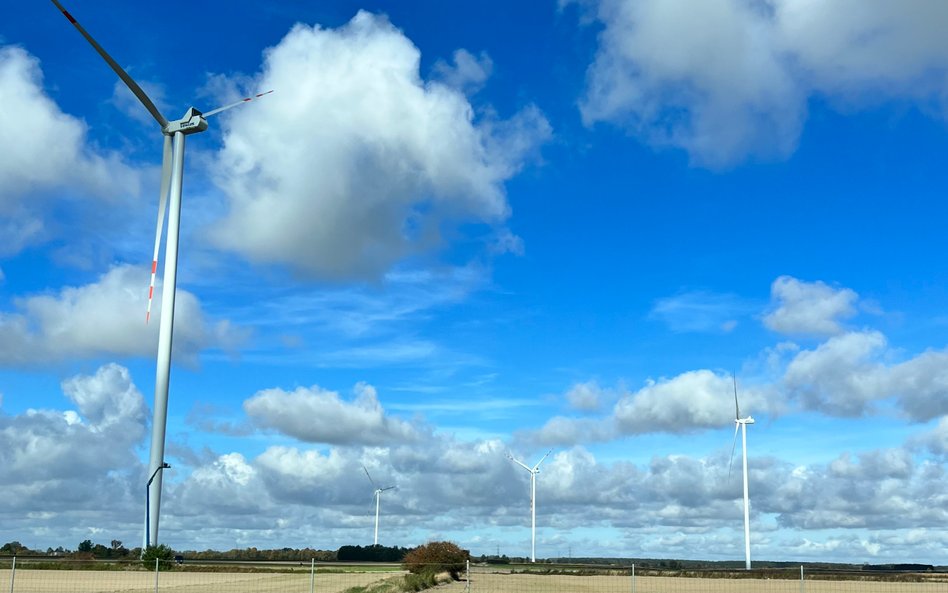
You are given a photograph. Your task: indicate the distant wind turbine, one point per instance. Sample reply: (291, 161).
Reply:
(741, 423)
(172, 179)
(533, 500)
(378, 497)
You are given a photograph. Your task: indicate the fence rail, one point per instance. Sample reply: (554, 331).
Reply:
(57, 575)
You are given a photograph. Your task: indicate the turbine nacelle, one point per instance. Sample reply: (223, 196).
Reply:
(192, 123)
(748, 420)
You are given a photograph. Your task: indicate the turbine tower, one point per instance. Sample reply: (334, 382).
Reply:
(172, 178)
(741, 424)
(378, 497)
(533, 500)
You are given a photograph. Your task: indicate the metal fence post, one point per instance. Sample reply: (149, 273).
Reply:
(312, 575)
(156, 575)
(801, 579)
(467, 575)
(12, 574)
(633, 578)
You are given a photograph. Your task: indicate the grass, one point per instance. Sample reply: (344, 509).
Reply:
(409, 583)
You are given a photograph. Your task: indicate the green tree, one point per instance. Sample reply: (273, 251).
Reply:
(162, 553)
(13, 548)
(85, 546)
(435, 557)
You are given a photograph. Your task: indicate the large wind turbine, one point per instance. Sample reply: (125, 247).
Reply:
(533, 500)
(378, 497)
(741, 424)
(172, 177)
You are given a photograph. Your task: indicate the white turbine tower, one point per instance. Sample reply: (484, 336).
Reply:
(378, 497)
(741, 424)
(533, 500)
(172, 178)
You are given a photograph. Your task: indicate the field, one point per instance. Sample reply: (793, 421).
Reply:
(482, 580)
(99, 581)
(527, 583)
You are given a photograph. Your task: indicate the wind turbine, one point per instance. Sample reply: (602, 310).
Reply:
(378, 497)
(741, 423)
(533, 500)
(172, 178)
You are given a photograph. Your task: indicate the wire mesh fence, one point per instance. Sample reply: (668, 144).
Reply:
(628, 579)
(70, 576)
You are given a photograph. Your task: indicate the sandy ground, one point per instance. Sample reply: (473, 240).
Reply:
(100, 581)
(526, 583)
(77, 581)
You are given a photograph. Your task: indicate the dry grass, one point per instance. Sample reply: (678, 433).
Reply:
(482, 582)
(82, 581)
(79, 581)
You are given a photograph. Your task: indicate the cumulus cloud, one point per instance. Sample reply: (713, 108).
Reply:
(55, 139)
(586, 396)
(105, 317)
(357, 162)
(468, 73)
(321, 416)
(107, 399)
(691, 401)
(229, 484)
(841, 376)
(808, 307)
(936, 440)
(75, 459)
(736, 79)
(848, 374)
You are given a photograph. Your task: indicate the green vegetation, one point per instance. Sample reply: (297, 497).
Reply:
(160, 553)
(375, 553)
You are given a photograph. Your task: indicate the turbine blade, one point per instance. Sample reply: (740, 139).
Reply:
(733, 445)
(241, 102)
(162, 206)
(537, 466)
(129, 82)
(387, 488)
(737, 408)
(520, 463)
(369, 477)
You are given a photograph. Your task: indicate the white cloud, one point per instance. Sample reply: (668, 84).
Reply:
(35, 130)
(320, 416)
(227, 487)
(808, 307)
(691, 401)
(736, 79)
(75, 460)
(695, 399)
(936, 440)
(840, 376)
(108, 398)
(468, 73)
(848, 374)
(105, 317)
(356, 162)
(586, 396)
(700, 311)
(920, 385)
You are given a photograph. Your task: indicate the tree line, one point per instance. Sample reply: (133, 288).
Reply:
(87, 550)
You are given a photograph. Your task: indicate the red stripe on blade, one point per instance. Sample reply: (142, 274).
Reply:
(69, 16)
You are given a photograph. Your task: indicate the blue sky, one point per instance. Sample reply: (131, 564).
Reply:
(456, 231)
